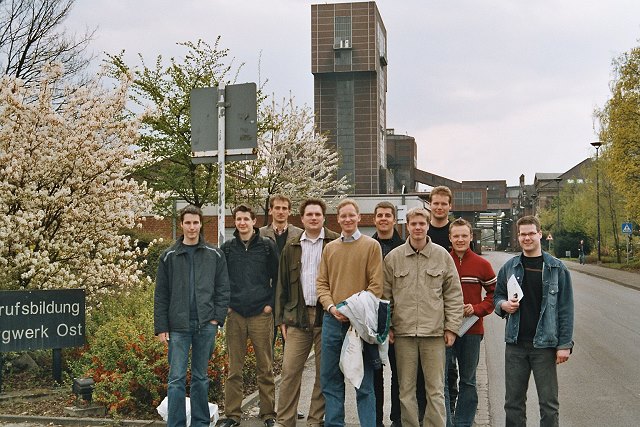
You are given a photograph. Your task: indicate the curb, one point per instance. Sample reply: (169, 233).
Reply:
(69, 421)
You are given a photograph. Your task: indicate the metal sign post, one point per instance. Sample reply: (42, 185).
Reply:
(627, 229)
(221, 152)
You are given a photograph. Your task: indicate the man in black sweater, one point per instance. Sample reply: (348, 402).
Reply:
(440, 200)
(386, 234)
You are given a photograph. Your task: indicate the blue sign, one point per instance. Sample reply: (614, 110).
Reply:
(627, 228)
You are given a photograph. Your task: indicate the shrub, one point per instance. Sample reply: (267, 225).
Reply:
(123, 357)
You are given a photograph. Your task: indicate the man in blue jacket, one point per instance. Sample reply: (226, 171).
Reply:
(190, 302)
(252, 261)
(539, 329)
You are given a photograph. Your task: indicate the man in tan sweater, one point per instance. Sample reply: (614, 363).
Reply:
(350, 264)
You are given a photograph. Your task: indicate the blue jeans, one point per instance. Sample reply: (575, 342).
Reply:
(466, 350)
(449, 357)
(332, 379)
(520, 360)
(201, 339)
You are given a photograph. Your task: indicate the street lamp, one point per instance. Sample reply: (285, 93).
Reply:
(597, 145)
(558, 180)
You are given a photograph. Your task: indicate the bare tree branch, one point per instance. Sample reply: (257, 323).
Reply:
(32, 35)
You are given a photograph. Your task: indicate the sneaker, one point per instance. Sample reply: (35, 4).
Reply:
(300, 415)
(269, 422)
(227, 422)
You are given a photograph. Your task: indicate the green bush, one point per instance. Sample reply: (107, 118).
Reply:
(123, 357)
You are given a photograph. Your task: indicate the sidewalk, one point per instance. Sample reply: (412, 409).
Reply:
(620, 277)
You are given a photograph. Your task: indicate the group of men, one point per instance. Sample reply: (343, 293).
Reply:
(298, 280)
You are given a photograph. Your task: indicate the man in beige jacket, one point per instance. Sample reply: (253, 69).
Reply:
(422, 283)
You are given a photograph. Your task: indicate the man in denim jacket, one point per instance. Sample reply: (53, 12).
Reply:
(539, 329)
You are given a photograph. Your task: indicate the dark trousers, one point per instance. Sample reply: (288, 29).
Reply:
(520, 360)
(378, 385)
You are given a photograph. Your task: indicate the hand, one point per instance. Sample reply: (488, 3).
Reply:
(449, 338)
(283, 330)
(339, 316)
(468, 310)
(392, 337)
(163, 337)
(510, 306)
(562, 355)
(267, 309)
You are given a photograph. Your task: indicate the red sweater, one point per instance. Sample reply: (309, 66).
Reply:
(476, 273)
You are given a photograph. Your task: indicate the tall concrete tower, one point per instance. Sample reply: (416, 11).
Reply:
(349, 66)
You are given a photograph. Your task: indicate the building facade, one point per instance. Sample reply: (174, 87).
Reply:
(349, 65)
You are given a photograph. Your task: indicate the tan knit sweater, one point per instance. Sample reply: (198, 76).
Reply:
(348, 268)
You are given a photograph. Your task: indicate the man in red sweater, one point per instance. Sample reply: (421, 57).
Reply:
(475, 274)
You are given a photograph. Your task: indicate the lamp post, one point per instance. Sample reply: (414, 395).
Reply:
(597, 145)
(558, 180)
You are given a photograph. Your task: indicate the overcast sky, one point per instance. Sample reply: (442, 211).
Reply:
(489, 89)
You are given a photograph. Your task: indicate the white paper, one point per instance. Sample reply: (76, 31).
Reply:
(513, 289)
(467, 323)
(163, 411)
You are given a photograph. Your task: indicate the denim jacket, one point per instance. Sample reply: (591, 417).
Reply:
(555, 325)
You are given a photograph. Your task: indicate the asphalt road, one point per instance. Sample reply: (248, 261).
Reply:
(600, 384)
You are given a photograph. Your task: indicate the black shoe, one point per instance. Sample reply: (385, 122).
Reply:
(227, 422)
(270, 422)
(300, 415)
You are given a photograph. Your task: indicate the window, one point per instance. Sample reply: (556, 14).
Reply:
(342, 32)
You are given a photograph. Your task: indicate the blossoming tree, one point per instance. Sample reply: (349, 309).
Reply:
(65, 191)
(293, 159)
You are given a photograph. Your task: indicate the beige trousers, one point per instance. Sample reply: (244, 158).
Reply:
(296, 351)
(259, 329)
(431, 353)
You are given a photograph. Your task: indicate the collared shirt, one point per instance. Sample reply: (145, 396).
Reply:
(311, 255)
(277, 231)
(355, 236)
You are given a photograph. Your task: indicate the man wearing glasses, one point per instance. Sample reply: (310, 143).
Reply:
(539, 328)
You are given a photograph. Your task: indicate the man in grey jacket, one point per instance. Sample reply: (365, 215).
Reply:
(190, 303)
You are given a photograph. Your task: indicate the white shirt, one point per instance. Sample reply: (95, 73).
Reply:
(311, 255)
(355, 236)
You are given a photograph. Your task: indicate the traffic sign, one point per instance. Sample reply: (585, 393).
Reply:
(549, 237)
(627, 228)
(240, 122)
(401, 214)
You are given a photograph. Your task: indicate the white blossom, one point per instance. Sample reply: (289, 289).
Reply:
(65, 188)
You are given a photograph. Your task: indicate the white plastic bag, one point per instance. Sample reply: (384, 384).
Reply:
(163, 410)
(351, 362)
